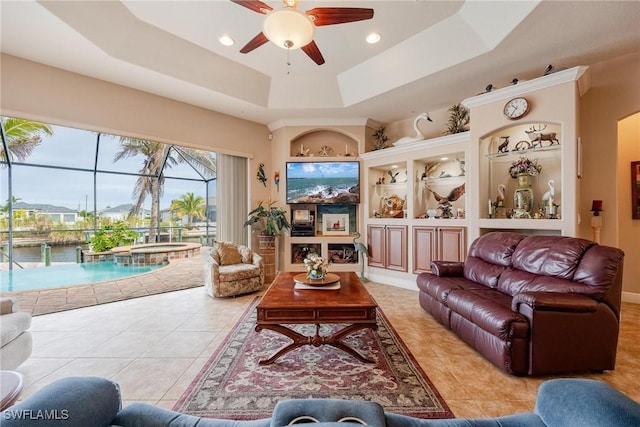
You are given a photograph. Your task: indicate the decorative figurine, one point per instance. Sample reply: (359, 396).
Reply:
(260, 175)
(419, 136)
(276, 180)
(445, 202)
(536, 136)
(429, 168)
(325, 150)
(461, 165)
(362, 251)
(304, 152)
(393, 177)
(504, 147)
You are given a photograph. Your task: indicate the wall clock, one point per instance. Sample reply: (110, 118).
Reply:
(516, 108)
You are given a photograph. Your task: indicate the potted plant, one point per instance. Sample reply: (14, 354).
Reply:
(268, 220)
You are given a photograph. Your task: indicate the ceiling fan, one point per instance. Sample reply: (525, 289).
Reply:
(290, 28)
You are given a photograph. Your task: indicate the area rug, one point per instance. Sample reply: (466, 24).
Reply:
(232, 385)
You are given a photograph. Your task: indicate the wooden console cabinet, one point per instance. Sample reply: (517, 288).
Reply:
(437, 244)
(388, 246)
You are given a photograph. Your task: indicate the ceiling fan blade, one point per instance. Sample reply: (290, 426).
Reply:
(313, 52)
(255, 43)
(338, 15)
(255, 5)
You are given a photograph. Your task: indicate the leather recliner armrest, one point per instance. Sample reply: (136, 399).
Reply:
(554, 301)
(447, 268)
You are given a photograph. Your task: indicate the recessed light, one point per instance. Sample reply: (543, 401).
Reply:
(225, 40)
(444, 158)
(373, 38)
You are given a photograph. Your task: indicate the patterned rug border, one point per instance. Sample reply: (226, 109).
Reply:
(445, 413)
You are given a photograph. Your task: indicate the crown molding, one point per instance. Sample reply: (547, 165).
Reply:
(579, 74)
(278, 124)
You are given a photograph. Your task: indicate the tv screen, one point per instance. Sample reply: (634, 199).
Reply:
(323, 182)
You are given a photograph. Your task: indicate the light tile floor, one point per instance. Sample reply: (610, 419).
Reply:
(154, 346)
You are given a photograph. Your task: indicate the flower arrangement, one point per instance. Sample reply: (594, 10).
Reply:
(524, 166)
(316, 266)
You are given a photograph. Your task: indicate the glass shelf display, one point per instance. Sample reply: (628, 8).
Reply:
(516, 144)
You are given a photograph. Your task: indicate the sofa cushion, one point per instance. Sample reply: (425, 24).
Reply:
(490, 310)
(246, 254)
(496, 248)
(598, 269)
(439, 287)
(231, 273)
(228, 253)
(513, 282)
(13, 325)
(482, 272)
(557, 256)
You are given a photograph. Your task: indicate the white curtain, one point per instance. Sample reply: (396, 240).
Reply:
(231, 198)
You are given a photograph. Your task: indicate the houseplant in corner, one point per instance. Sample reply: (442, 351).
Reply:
(268, 222)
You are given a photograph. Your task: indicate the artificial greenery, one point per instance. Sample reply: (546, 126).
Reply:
(458, 119)
(269, 220)
(381, 139)
(110, 236)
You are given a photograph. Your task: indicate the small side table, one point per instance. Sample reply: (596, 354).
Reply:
(10, 388)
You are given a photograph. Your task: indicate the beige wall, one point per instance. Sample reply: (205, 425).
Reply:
(51, 95)
(629, 236)
(614, 96)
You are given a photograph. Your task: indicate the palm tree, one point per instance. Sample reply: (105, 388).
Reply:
(157, 157)
(191, 205)
(22, 136)
(13, 201)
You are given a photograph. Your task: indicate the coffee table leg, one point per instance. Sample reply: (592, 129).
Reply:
(299, 340)
(335, 340)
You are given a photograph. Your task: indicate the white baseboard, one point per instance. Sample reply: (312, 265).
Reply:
(631, 297)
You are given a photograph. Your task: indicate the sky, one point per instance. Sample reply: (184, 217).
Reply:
(347, 169)
(72, 189)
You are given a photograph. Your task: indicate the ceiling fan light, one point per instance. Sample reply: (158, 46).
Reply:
(288, 28)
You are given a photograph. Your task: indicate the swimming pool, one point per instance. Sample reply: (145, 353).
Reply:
(67, 275)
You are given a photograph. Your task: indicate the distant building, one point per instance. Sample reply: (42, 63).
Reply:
(54, 213)
(121, 213)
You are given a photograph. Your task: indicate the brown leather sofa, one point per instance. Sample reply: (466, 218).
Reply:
(532, 305)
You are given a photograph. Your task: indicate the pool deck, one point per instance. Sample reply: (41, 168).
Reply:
(180, 274)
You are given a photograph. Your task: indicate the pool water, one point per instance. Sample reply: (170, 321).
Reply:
(67, 275)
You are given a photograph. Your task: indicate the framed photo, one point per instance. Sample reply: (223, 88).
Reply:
(635, 190)
(335, 224)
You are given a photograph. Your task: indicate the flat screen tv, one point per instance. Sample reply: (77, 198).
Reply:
(323, 182)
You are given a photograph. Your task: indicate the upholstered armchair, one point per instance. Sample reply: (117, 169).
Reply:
(231, 270)
(15, 339)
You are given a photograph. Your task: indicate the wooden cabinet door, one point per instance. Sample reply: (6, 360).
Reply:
(452, 243)
(396, 254)
(376, 244)
(424, 248)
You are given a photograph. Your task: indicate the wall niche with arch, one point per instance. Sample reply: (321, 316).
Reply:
(323, 143)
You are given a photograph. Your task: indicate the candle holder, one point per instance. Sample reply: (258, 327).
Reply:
(596, 220)
(596, 207)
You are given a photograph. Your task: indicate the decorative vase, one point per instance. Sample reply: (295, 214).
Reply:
(316, 274)
(523, 197)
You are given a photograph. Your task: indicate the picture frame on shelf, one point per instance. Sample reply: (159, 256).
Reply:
(335, 224)
(342, 253)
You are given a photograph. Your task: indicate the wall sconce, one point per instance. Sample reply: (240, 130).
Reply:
(596, 219)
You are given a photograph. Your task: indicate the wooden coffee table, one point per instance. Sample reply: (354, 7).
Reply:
(283, 305)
